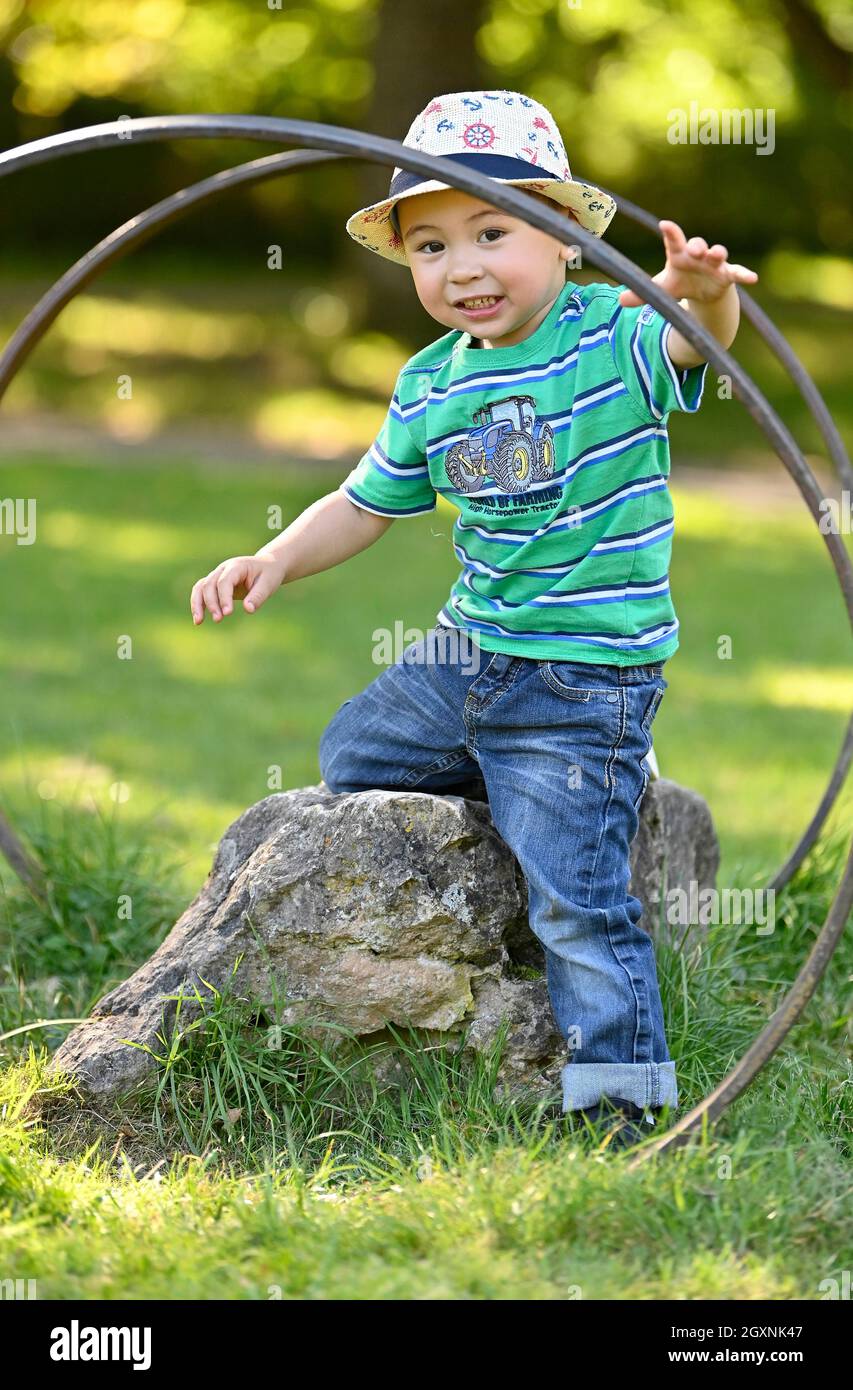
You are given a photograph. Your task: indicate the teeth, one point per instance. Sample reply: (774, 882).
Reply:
(480, 303)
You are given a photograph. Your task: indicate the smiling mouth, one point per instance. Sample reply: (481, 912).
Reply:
(481, 301)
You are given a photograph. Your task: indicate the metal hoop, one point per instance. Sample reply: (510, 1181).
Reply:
(333, 141)
(162, 213)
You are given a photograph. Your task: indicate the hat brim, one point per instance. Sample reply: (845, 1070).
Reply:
(372, 228)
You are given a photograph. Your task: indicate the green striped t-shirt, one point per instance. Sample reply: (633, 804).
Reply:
(555, 452)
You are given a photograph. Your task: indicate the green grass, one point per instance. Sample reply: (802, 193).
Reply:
(250, 1171)
(201, 722)
(243, 1169)
(510, 1217)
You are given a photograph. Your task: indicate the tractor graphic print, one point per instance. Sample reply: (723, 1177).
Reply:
(508, 444)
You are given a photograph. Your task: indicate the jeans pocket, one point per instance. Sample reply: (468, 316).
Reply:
(652, 707)
(574, 681)
(646, 722)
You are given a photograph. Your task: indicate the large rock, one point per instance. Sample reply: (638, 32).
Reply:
(372, 908)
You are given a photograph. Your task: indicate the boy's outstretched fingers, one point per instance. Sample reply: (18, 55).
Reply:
(696, 254)
(693, 268)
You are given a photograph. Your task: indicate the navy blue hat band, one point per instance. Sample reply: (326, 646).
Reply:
(497, 166)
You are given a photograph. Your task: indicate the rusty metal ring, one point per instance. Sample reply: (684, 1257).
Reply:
(335, 140)
(161, 214)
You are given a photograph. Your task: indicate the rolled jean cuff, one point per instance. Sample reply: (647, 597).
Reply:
(647, 1084)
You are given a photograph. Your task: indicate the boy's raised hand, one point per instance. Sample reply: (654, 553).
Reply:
(693, 270)
(249, 577)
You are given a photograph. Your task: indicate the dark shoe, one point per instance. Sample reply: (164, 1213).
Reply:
(617, 1123)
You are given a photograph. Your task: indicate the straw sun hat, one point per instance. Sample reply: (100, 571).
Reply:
(506, 135)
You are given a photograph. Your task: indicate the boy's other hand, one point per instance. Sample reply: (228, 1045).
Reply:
(249, 577)
(693, 270)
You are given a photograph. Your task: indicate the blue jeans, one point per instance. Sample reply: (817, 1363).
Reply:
(558, 747)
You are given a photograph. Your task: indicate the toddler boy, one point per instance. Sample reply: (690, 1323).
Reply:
(541, 415)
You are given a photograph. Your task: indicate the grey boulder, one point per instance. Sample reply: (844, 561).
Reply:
(370, 908)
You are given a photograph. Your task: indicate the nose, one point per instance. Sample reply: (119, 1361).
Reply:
(463, 266)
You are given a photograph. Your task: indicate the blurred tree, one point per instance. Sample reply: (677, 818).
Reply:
(612, 72)
(811, 36)
(419, 51)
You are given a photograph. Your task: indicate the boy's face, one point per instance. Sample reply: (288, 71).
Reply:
(460, 247)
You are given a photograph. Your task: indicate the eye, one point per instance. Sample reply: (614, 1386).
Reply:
(485, 231)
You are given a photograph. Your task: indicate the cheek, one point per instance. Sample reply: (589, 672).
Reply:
(428, 281)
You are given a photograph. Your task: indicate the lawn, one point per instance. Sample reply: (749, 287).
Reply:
(164, 733)
(195, 724)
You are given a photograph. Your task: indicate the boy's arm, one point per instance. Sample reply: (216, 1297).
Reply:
(704, 282)
(328, 532)
(390, 480)
(721, 318)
